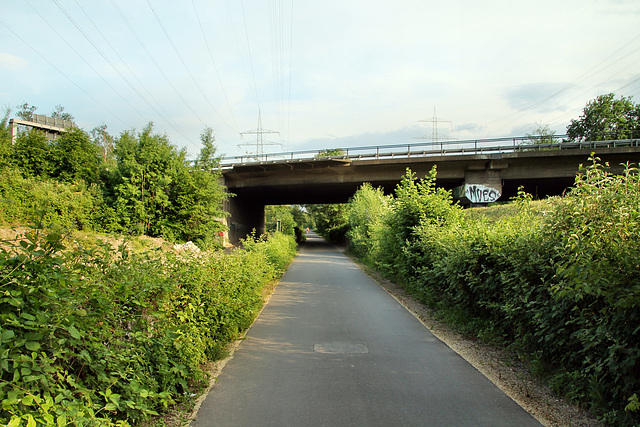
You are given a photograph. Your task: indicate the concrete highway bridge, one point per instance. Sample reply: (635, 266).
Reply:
(478, 171)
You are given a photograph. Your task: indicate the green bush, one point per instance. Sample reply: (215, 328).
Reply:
(559, 286)
(104, 337)
(366, 212)
(595, 236)
(25, 200)
(417, 202)
(278, 249)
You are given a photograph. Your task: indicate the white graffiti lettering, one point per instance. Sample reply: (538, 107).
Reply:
(481, 194)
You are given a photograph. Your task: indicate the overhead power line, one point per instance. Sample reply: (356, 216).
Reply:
(84, 59)
(213, 62)
(195, 82)
(155, 63)
(253, 73)
(133, 87)
(63, 74)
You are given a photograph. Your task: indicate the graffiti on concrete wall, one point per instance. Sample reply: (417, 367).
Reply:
(477, 193)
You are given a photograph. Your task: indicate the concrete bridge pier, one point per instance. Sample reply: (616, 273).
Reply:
(245, 216)
(482, 184)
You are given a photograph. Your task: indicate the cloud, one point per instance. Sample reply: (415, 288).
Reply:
(621, 8)
(540, 97)
(409, 134)
(11, 62)
(470, 127)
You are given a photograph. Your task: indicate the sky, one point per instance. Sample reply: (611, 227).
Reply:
(318, 74)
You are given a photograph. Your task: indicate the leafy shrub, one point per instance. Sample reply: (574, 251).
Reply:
(416, 202)
(594, 233)
(278, 249)
(366, 212)
(559, 287)
(103, 337)
(61, 204)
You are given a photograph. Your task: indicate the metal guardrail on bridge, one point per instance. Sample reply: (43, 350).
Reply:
(425, 149)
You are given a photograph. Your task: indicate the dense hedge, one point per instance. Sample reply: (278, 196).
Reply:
(110, 337)
(56, 203)
(559, 286)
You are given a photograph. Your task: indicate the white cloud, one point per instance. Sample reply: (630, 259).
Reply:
(11, 62)
(536, 96)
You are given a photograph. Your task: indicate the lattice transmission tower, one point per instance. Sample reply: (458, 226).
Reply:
(260, 142)
(434, 130)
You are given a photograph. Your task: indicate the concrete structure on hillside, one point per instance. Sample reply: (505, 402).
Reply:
(51, 126)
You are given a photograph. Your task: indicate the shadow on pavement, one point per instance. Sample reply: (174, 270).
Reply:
(315, 242)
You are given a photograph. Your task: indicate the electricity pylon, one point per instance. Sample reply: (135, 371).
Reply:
(260, 143)
(434, 129)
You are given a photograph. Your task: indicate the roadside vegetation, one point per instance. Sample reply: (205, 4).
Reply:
(555, 280)
(137, 183)
(97, 328)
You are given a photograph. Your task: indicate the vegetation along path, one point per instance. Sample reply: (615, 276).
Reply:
(333, 348)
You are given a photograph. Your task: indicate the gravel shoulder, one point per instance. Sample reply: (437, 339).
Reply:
(500, 366)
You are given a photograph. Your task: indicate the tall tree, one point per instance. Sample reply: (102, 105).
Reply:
(146, 166)
(75, 157)
(196, 211)
(301, 216)
(207, 159)
(279, 218)
(5, 130)
(59, 113)
(542, 134)
(31, 153)
(105, 141)
(606, 118)
(330, 220)
(26, 111)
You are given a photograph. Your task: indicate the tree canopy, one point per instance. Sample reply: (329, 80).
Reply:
(606, 118)
(543, 134)
(141, 183)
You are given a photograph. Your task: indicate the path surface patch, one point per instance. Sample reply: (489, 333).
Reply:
(340, 347)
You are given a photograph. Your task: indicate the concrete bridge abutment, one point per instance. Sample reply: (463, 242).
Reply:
(245, 216)
(482, 184)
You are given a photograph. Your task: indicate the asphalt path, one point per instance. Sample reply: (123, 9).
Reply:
(332, 348)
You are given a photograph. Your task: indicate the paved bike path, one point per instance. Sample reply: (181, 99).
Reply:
(332, 348)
